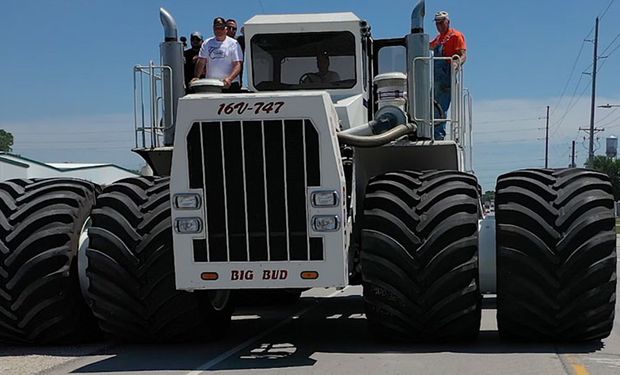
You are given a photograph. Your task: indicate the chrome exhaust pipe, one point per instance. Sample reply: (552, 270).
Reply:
(170, 25)
(417, 18)
(171, 53)
(419, 102)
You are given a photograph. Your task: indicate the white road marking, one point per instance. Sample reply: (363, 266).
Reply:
(609, 362)
(222, 357)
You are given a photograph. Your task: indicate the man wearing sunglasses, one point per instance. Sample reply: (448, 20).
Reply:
(220, 57)
(449, 43)
(231, 28)
(231, 31)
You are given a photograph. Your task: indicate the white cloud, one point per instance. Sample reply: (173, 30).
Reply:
(105, 138)
(509, 133)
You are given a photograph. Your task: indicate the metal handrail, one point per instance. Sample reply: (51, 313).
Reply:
(148, 129)
(458, 128)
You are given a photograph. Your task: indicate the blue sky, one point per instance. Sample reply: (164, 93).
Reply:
(66, 70)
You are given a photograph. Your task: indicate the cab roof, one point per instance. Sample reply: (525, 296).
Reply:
(307, 18)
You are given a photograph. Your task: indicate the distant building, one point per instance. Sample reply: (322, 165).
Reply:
(14, 166)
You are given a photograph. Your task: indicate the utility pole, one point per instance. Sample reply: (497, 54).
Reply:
(572, 163)
(547, 141)
(592, 132)
(593, 107)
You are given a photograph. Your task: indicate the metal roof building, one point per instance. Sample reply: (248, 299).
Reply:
(16, 166)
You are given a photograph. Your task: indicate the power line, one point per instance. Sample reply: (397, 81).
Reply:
(603, 13)
(607, 116)
(610, 44)
(72, 132)
(506, 141)
(48, 148)
(507, 121)
(609, 123)
(570, 106)
(502, 131)
(570, 76)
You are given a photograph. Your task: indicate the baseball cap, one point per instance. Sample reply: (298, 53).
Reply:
(196, 34)
(442, 15)
(219, 21)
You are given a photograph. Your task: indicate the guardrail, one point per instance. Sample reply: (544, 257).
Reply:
(148, 88)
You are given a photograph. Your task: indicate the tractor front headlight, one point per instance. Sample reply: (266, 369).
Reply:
(325, 198)
(325, 223)
(187, 201)
(188, 225)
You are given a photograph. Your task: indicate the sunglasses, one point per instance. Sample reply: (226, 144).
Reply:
(219, 27)
(232, 28)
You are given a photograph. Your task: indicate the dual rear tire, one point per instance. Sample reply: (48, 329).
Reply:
(131, 270)
(419, 256)
(40, 226)
(556, 255)
(555, 248)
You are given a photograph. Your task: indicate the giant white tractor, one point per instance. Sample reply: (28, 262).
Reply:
(295, 184)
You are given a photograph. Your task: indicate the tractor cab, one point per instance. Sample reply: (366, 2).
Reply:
(306, 52)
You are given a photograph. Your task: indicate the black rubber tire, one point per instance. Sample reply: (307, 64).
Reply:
(40, 226)
(419, 256)
(267, 297)
(556, 255)
(132, 288)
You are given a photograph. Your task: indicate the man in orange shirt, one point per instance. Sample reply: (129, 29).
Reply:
(449, 43)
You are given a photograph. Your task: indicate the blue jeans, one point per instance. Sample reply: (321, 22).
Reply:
(443, 82)
(443, 98)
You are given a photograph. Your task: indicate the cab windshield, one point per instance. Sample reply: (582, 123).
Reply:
(303, 61)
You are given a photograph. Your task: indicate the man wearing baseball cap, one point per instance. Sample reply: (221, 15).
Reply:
(191, 55)
(449, 43)
(220, 57)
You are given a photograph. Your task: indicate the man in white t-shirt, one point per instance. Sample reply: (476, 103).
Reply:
(220, 57)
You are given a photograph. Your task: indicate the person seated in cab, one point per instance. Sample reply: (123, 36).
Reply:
(324, 75)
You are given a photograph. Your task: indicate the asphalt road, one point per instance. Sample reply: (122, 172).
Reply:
(325, 333)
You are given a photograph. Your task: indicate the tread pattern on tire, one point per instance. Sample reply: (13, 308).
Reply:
(131, 269)
(40, 225)
(420, 256)
(556, 255)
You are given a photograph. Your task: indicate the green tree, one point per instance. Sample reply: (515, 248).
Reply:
(6, 141)
(488, 196)
(610, 167)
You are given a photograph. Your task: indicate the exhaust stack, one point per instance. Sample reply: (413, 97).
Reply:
(418, 74)
(171, 54)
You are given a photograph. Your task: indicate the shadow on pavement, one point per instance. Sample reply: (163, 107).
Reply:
(334, 325)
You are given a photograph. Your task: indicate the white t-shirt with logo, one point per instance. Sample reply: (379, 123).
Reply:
(220, 57)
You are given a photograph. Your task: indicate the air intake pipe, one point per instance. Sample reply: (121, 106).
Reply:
(173, 83)
(418, 73)
(391, 124)
(376, 140)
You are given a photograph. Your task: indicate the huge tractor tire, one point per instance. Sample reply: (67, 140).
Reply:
(556, 255)
(419, 256)
(40, 226)
(131, 270)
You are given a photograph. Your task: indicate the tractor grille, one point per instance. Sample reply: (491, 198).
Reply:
(255, 176)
